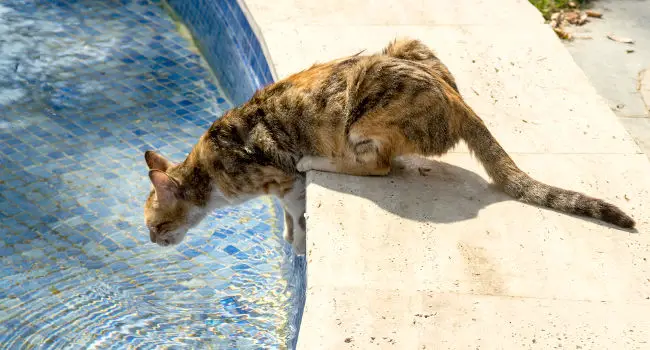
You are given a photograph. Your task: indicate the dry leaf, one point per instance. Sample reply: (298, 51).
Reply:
(594, 13)
(572, 16)
(576, 18)
(557, 19)
(563, 34)
(620, 39)
(583, 19)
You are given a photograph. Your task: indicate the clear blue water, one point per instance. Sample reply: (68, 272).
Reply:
(85, 88)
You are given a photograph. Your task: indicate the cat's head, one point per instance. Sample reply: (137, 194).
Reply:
(168, 213)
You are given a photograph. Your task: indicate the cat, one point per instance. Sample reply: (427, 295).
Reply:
(352, 115)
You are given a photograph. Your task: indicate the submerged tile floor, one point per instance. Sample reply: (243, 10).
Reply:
(85, 88)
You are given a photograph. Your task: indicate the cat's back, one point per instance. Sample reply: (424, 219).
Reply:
(319, 75)
(322, 87)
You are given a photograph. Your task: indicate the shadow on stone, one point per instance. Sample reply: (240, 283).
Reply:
(427, 190)
(424, 190)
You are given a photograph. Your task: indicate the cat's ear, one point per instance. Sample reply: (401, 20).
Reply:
(166, 188)
(156, 162)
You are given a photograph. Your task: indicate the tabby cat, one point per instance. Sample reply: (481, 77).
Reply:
(353, 115)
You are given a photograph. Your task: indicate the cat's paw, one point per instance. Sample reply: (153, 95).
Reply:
(300, 246)
(304, 164)
(299, 243)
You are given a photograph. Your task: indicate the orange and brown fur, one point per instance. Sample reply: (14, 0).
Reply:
(353, 115)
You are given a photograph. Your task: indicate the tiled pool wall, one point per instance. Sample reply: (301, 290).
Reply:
(223, 31)
(85, 88)
(224, 34)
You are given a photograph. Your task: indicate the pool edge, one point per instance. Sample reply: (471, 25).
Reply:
(257, 66)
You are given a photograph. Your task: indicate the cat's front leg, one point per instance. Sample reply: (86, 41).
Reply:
(287, 234)
(294, 217)
(308, 163)
(343, 166)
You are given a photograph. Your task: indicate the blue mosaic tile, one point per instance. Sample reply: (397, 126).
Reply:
(231, 250)
(229, 41)
(96, 84)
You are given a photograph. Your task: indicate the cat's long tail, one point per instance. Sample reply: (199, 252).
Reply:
(503, 170)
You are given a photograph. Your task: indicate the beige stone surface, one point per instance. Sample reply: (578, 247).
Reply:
(644, 88)
(393, 13)
(442, 259)
(639, 129)
(365, 318)
(451, 231)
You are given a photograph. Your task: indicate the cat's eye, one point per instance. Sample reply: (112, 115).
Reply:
(161, 227)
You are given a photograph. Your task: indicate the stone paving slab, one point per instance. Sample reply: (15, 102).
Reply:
(644, 87)
(613, 67)
(393, 13)
(496, 273)
(420, 319)
(639, 128)
(451, 231)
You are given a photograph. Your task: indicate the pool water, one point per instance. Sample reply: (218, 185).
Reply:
(85, 88)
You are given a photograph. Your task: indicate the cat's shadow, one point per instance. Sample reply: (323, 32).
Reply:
(421, 189)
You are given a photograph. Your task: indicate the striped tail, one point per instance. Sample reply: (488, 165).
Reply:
(519, 185)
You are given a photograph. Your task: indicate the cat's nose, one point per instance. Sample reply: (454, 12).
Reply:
(152, 237)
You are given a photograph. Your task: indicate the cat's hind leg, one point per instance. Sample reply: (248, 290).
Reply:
(363, 156)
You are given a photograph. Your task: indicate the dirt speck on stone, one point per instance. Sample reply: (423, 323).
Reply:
(620, 39)
(423, 171)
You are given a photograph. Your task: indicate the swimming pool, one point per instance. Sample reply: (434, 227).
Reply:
(85, 88)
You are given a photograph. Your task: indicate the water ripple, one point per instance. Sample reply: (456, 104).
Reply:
(97, 83)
